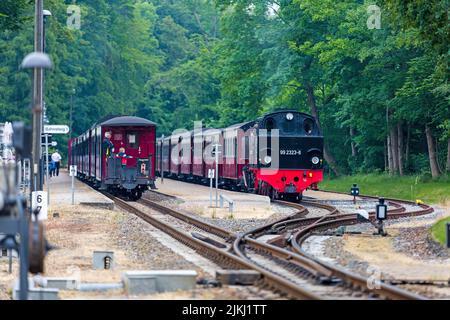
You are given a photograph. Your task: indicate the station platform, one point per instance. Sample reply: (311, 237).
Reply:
(61, 193)
(197, 199)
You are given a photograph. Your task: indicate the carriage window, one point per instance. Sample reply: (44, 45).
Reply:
(225, 147)
(247, 148)
(132, 140)
(308, 126)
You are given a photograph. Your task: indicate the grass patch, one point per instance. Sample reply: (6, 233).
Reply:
(407, 187)
(438, 231)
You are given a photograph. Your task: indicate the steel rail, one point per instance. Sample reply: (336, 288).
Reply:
(208, 227)
(381, 289)
(220, 256)
(297, 257)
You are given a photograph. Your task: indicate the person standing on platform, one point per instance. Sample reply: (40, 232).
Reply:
(56, 157)
(108, 146)
(52, 168)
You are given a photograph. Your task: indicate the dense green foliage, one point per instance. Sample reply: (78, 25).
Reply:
(374, 91)
(439, 230)
(409, 187)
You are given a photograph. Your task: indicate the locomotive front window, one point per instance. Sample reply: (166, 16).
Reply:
(270, 124)
(289, 126)
(308, 126)
(132, 140)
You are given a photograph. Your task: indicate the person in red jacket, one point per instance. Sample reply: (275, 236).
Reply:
(123, 156)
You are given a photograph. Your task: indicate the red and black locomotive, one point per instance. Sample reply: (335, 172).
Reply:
(117, 154)
(279, 155)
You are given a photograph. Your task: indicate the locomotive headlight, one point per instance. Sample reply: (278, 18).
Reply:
(289, 116)
(267, 159)
(315, 160)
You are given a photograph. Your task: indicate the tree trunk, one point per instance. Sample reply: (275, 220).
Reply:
(315, 113)
(408, 139)
(389, 152)
(386, 165)
(448, 155)
(394, 151)
(389, 145)
(352, 143)
(436, 143)
(432, 153)
(400, 148)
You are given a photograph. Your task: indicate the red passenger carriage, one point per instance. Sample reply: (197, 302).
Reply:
(124, 163)
(279, 155)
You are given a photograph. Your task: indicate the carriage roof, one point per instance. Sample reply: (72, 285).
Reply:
(128, 121)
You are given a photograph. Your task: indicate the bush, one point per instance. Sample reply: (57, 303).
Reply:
(439, 230)
(444, 178)
(425, 177)
(419, 163)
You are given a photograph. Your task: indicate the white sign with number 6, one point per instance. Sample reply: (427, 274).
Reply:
(39, 203)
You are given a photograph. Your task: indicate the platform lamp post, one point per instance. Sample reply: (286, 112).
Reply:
(381, 214)
(37, 94)
(71, 112)
(45, 15)
(36, 61)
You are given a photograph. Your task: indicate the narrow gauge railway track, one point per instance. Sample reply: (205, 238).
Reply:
(358, 281)
(205, 226)
(222, 257)
(305, 264)
(299, 269)
(294, 223)
(294, 262)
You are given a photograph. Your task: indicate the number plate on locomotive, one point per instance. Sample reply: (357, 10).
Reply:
(290, 152)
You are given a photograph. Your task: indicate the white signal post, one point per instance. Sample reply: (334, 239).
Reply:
(46, 170)
(216, 150)
(53, 129)
(211, 177)
(162, 148)
(73, 173)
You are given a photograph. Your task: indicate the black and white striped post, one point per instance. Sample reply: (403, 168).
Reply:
(448, 234)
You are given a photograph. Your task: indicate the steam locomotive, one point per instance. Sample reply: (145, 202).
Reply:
(279, 155)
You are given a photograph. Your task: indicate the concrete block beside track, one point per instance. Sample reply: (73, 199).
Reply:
(103, 260)
(152, 281)
(237, 277)
(60, 283)
(35, 293)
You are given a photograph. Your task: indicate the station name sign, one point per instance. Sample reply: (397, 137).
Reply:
(56, 129)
